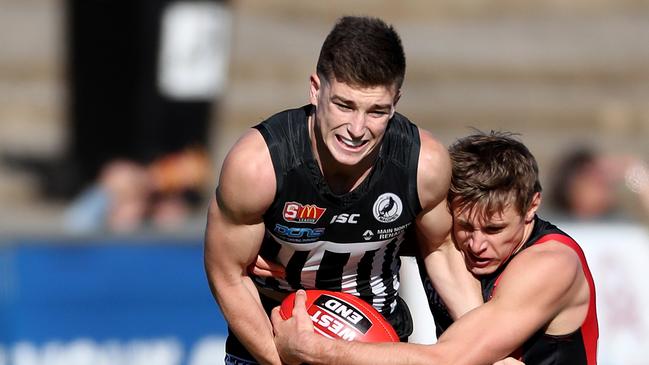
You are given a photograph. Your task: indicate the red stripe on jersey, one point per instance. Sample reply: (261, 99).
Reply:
(590, 328)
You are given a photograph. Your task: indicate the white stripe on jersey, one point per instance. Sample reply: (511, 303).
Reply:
(350, 269)
(357, 248)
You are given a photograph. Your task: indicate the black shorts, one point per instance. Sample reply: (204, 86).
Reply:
(236, 353)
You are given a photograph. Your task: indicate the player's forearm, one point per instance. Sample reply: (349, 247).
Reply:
(340, 352)
(459, 289)
(248, 320)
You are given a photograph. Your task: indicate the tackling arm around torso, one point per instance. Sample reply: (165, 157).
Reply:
(541, 288)
(444, 262)
(235, 230)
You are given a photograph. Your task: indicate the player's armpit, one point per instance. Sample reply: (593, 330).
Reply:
(266, 268)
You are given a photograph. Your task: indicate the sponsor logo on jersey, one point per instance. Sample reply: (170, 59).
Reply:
(387, 208)
(298, 213)
(334, 317)
(298, 234)
(387, 233)
(345, 218)
(367, 235)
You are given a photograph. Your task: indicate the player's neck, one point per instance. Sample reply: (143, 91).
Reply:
(341, 181)
(527, 232)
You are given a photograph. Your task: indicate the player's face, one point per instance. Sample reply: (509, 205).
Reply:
(487, 242)
(351, 121)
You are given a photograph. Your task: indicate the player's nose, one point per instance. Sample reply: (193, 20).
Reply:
(357, 125)
(477, 242)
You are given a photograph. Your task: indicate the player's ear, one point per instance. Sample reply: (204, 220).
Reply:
(534, 207)
(394, 104)
(314, 88)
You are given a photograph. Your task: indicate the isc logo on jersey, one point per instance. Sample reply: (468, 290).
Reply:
(298, 213)
(335, 318)
(345, 218)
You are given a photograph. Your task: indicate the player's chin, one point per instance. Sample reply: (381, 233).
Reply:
(481, 271)
(481, 268)
(349, 159)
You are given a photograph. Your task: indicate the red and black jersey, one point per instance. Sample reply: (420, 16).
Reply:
(576, 348)
(342, 242)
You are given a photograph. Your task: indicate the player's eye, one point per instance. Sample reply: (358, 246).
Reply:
(493, 230)
(378, 113)
(465, 226)
(343, 107)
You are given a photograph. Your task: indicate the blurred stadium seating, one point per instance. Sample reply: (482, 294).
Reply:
(557, 72)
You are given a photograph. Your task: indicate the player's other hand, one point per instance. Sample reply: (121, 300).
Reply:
(265, 268)
(509, 361)
(295, 335)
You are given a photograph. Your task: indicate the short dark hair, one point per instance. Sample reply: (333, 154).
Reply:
(362, 51)
(491, 171)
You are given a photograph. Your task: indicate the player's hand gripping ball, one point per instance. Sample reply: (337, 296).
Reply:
(343, 316)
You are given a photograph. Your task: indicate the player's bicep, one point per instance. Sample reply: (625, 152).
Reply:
(235, 227)
(433, 179)
(229, 245)
(433, 228)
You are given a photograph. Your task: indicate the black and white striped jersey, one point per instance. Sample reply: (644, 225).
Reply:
(345, 242)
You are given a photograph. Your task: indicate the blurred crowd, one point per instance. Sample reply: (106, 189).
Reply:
(590, 185)
(140, 112)
(129, 196)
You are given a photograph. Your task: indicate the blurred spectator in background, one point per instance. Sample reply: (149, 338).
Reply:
(143, 91)
(147, 85)
(144, 82)
(589, 185)
(129, 196)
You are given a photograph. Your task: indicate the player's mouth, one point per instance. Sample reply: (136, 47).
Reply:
(476, 261)
(353, 144)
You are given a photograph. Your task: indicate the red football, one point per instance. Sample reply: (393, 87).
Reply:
(344, 316)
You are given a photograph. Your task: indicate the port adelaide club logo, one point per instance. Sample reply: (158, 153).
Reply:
(387, 208)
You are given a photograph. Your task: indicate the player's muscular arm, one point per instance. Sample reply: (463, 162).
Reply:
(538, 286)
(298, 343)
(233, 237)
(444, 263)
(533, 291)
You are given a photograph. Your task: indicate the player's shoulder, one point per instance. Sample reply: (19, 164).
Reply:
(552, 260)
(247, 153)
(434, 167)
(433, 154)
(546, 277)
(248, 168)
(552, 250)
